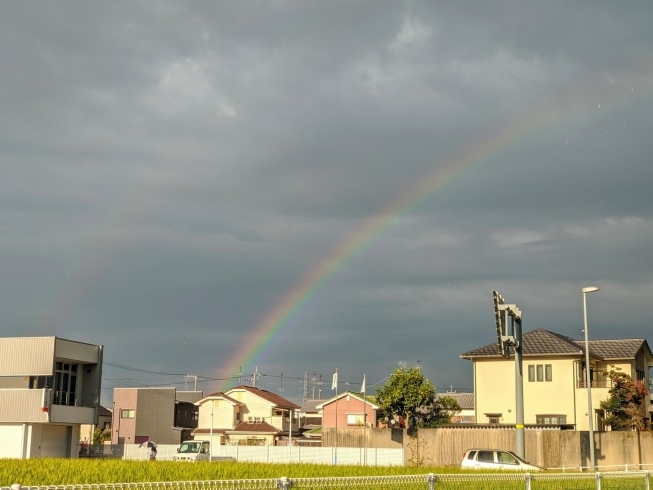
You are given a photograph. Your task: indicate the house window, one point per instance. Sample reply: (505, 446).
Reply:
(216, 403)
(141, 439)
(278, 413)
(355, 419)
(640, 375)
(551, 419)
(127, 414)
(540, 372)
(65, 383)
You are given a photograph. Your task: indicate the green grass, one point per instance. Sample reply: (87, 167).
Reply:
(41, 472)
(81, 471)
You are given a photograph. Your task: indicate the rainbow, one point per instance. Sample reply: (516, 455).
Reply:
(281, 313)
(580, 102)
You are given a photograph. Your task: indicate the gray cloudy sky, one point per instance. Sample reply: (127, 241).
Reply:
(169, 172)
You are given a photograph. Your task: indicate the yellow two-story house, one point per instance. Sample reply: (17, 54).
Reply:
(555, 387)
(246, 415)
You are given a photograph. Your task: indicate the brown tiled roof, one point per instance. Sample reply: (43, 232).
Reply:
(273, 398)
(255, 427)
(542, 342)
(310, 406)
(465, 400)
(615, 348)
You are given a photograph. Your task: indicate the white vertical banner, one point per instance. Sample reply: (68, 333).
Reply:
(334, 384)
(363, 386)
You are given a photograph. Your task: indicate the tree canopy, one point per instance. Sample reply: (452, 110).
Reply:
(623, 407)
(411, 396)
(437, 413)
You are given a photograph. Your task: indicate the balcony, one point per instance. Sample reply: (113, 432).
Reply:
(595, 383)
(23, 405)
(42, 406)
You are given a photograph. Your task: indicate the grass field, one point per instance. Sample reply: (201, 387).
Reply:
(80, 471)
(42, 472)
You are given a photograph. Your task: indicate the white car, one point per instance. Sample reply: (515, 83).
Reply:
(495, 459)
(191, 451)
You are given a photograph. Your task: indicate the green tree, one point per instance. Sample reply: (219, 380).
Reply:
(623, 407)
(99, 436)
(437, 413)
(404, 393)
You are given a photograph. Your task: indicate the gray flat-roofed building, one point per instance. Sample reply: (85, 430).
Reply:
(49, 387)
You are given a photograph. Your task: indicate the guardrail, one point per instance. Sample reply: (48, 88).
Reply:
(492, 481)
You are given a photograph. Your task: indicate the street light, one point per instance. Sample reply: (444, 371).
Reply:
(588, 381)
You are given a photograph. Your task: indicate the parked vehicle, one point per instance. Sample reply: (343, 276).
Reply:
(197, 451)
(495, 459)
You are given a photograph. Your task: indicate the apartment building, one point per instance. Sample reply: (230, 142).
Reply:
(49, 387)
(160, 414)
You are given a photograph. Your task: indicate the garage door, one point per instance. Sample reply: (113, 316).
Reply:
(55, 441)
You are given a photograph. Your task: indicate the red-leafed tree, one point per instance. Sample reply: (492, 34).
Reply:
(623, 407)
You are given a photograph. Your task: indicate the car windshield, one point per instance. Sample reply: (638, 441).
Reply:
(518, 458)
(507, 458)
(190, 447)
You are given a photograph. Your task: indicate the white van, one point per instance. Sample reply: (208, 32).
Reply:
(193, 451)
(197, 451)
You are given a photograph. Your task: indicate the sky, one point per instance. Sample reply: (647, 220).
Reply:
(297, 187)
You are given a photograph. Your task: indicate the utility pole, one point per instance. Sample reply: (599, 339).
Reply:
(305, 393)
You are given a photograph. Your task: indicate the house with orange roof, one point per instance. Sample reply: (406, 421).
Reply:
(246, 415)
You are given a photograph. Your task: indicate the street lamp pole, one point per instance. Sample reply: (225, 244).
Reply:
(588, 380)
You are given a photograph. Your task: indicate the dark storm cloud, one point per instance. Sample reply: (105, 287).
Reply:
(170, 171)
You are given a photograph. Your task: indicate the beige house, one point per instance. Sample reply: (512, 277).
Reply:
(246, 415)
(49, 387)
(555, 391)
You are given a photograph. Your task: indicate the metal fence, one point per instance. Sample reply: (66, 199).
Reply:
(477, 481)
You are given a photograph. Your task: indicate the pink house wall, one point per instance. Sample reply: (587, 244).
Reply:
(347, 405)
